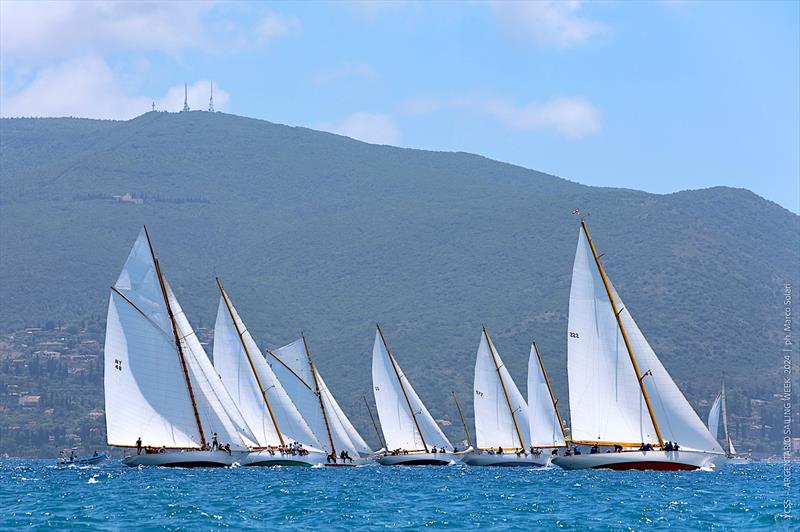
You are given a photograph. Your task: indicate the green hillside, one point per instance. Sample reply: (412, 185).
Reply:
(317, 232)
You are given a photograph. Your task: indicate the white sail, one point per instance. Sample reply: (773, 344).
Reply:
(495, 425)
(145, 390)
(545, 426)
(713, 416)
(728, 442)
(236, 372)
(292, 367)
(606, 403)
(676, 418)
(399, 427)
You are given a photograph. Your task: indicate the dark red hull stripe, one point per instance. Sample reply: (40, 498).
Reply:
(651, 466)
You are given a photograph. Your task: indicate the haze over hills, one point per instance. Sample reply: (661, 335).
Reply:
(318, 232)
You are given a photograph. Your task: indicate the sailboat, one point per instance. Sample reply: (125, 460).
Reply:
(412, 436)
(501, 414)
(719, 408)
(623, 402)
(162, 395)
(546, 426)
(293, 366)
(276, 423)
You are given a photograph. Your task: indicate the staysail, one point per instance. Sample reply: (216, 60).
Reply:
(157, 386)
(545, 423)
(405, 421)
(265, 403)
(501, 413)
(293, 366)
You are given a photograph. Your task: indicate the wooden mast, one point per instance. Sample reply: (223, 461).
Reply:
(397, 374)
(375, 425)
(240, 333)
(550, 390)
(177, 339)
(463, 422)
(318, 392)
(503, 385)
(617, 313)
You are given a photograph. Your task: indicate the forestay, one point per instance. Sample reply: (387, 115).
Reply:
(606, 403)
(235, 369)
(500, 419)
(545, 425)
(398, 424)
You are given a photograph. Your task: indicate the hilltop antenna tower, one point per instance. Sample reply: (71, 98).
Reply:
(185, 97)
(211, 100)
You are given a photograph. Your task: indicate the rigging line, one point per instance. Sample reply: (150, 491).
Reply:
(282, 363)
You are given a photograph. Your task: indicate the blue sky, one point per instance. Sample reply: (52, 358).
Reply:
(657, 96)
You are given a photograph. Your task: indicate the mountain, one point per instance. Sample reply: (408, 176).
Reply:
(318, 232)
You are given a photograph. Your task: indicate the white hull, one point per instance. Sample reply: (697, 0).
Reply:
(417, 459)
(264, 458)
(186, 459)
(507, 459)
(644, 460)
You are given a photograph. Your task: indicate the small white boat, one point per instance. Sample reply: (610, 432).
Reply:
(409, 430)
(501, 413)
(161, 391)
(619, 392)
(719, 409)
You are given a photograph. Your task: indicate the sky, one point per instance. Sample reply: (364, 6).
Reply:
(658, 96)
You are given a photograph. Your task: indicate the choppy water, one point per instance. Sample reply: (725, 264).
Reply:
(38, 494)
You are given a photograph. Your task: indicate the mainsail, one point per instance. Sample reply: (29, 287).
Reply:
(545, 423)
(719, 409)
(501, 413)
(159, 385)
(405, 421)
(264, 402)
(293, 366)
(612, 378)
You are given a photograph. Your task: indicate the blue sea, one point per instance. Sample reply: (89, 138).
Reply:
(38, 494)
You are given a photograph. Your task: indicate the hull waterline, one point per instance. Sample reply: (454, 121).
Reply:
(643, 461)
(438, 459)
(506, 460)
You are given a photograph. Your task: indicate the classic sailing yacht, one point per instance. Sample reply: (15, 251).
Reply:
(294, 368)
(411, 434)
(720, 408)
(274, 419)
(621, 397)
(162, 395)
(546, 425)
(501, 414)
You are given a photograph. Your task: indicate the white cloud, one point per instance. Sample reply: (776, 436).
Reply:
(547, 22)
(274, 26)
(375, 128)
(87, 87)
(573, 117)
(348, 70)
(56, 30)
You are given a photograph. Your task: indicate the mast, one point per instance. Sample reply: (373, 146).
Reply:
(550, 390)
(617, 313)
(178, 345)
(463, 422)
(397, 374)
(725, 416)
(374, 425)
(240, 333)
(503, 385)
(319, 393)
